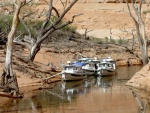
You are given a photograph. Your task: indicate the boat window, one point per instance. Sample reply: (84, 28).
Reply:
(75, 68)
(109, 65)
(80, 68)
(90, 65)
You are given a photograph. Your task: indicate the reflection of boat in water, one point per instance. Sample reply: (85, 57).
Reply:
(63, 92)
(69, 90)
(75, 88)
(104, 82)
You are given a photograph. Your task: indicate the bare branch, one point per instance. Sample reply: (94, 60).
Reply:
(64, 4)
(24, 24)
(61, 16)
(130, 11)
(57, 13)
(69, 22)
(26, 2)
(29, 14)
(15, 39)
(45, 2)
(22, 42)
(48, 15)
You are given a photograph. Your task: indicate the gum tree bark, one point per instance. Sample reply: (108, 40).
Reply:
(8, 78)
(140, 29)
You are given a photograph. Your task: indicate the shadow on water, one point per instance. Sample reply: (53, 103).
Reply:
(93, 95)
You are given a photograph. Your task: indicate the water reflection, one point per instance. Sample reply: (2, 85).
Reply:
(93, 95)
(72, 89)
(142, 99)
(104, 82)
(125, 73)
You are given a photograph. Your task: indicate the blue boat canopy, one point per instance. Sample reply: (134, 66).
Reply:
(79, 64)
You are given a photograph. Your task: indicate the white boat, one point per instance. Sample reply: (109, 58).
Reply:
(98, 67)
(109, 59)
(89, 68)
(73, 71)
(106, 68)
(89, 65)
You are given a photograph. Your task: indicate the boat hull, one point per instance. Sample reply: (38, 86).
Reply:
(107, 72)
(72, 77)
(89, 72)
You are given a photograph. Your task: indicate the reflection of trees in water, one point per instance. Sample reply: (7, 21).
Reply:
(142, 100)
(126, 72)
(63, 93)
(60, 95)
(30, 103)
(11, 102)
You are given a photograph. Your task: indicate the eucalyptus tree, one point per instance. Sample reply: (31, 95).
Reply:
(47, 28)
(8, 78)
(140, 27)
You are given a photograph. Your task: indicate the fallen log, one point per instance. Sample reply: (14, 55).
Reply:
(10, 95)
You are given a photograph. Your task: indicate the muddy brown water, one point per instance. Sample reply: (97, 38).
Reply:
(93, 95)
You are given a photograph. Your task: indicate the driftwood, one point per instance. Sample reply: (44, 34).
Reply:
(10, 95)
(45, 80)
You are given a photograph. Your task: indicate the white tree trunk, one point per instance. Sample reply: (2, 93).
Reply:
(139, 23)
(9, 81)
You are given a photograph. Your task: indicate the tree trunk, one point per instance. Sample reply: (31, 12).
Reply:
(34, 50)
(144, 48)
(8, 78)
(139, 23)
(46, 29)
(144, 54)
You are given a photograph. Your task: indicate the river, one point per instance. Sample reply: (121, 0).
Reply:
(93, 95)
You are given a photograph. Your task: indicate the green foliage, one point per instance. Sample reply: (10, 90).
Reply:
(31, 24)
(106, 39)
(69, 28)
(122, 41)
(5, 20)
(34, 26)
(53, 18)
(112, 40)
(21, 27)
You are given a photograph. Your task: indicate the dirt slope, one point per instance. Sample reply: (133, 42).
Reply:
(101, 17)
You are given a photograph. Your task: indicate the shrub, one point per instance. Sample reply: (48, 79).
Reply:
(5, 20)
(69, 28)
(122, 41)
(112, 40)
(106, 39)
